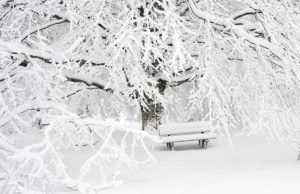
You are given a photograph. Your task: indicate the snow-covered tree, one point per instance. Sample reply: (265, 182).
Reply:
(68, 67)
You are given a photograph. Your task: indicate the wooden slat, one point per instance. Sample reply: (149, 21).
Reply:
(187, 137)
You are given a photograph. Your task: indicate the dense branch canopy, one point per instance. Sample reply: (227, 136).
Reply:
(66, 64)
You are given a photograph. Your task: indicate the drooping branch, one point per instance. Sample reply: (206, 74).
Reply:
(43, 27)
(88, 80)
(228, 24)
(245, 12)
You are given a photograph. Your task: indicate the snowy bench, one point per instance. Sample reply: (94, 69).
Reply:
(181, 132)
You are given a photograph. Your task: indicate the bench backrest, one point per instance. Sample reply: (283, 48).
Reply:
(179, 128)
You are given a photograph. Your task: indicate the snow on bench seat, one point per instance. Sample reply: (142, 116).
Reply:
(178, 128)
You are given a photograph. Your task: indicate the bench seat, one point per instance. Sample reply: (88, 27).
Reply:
(187, 137)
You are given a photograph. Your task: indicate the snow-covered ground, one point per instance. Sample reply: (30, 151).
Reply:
(252, 165)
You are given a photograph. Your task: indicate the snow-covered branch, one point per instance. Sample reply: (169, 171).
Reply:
(88, 80)
(228, 24)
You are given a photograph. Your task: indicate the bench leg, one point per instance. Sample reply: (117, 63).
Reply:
(204, 143)
(200, 143)
(172, 146)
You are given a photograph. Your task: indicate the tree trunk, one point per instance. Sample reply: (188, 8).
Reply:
(153, 114)
(155, 110)
(144, 117)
